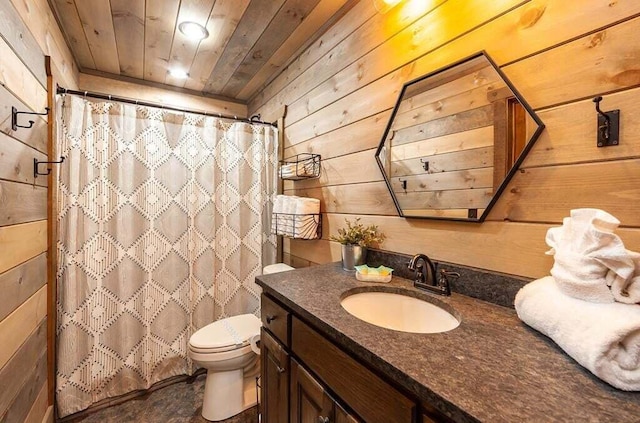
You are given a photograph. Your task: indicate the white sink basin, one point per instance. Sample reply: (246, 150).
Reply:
(399, 312)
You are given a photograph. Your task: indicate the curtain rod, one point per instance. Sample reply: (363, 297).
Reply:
(61, 90)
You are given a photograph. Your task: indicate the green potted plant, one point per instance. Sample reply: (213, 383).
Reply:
(356, 239)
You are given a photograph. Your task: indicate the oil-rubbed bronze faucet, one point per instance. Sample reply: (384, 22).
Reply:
(426, 275)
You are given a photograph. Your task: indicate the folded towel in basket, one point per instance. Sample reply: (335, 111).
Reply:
(586, 250)
(281, 218)
(306, 217)
(298, 169)
(604, 338)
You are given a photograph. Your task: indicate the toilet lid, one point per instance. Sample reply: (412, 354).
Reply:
(225, 333)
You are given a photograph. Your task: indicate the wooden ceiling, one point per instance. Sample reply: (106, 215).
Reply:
(250, 41)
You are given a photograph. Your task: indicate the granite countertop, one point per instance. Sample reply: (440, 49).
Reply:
(492, 368)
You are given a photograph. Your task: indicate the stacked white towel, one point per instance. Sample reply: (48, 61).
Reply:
(307, 219)
(277, 218)
(590, 260)
(604, 338)
(298, 169)
(295, 217)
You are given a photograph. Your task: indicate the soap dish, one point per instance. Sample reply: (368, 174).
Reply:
(365, 273)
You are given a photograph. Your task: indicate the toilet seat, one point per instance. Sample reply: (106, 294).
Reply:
(231, 333)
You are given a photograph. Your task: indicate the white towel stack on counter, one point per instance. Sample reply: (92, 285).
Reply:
(590, 304)
(591, 262)
(295, 217)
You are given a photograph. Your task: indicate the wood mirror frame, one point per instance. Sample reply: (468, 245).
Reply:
(455, 138)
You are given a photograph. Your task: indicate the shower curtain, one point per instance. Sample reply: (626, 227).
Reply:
(162, 226)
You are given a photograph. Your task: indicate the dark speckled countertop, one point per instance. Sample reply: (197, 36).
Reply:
(492, 368)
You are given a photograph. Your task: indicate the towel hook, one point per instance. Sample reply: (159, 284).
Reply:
(608, 125)
(36, 163)
(425, 164)
(14, 118)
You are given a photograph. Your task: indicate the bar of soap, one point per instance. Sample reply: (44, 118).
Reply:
(373, 274)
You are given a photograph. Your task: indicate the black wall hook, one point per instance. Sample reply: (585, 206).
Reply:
(14, 118)
(608, 125)
(36, 163)
(425, 164)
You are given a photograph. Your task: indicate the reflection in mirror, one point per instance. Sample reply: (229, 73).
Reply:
(454, 140)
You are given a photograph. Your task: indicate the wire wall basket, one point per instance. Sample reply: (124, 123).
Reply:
(300, 166)
(298, 226)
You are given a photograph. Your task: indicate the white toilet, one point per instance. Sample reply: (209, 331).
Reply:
(227, 349)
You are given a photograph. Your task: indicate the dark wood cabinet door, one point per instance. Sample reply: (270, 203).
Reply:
(341, 415)
(309, 401)
(274, 401)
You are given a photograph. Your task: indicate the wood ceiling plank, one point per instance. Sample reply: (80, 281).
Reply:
(289, 17)
(184, 49)
(128, 23)
(98, 27)
(221, 25)
(160, 20)
(74, 32)
(276, 91)
(302, 36)
(253, 23)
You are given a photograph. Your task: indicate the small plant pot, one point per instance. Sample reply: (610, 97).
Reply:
(353, 255)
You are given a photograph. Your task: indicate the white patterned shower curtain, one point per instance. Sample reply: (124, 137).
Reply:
(162, 225)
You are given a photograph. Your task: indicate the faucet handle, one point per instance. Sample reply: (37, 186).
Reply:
(445, 275)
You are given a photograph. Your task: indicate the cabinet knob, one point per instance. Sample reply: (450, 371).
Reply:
(322, 419)
(270, 319)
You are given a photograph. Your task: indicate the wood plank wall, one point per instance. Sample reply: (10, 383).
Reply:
(559, 55)
(28, 32)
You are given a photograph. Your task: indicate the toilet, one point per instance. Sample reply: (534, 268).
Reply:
(228, 350)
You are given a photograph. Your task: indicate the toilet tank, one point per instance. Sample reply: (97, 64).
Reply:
(276, 268)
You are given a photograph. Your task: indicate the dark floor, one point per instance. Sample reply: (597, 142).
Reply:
(177, 403)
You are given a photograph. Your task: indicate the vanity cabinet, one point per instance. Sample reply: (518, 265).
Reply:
(274, 379)
(323, 380)
(311, 403)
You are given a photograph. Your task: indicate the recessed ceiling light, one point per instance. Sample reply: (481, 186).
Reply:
(193, 30)
(178, 73)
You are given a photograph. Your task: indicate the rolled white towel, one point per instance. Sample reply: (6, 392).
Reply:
(306, 167)
(276, 216)
(290, 204)
(626, 290)
(306, 225)
(287, 170)
(581, 277)
(306, 205)
(604, 338)
(586, 250)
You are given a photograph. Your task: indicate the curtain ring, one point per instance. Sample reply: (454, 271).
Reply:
(85, 95)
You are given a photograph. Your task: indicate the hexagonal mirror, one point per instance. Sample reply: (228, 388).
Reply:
(455, 138)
